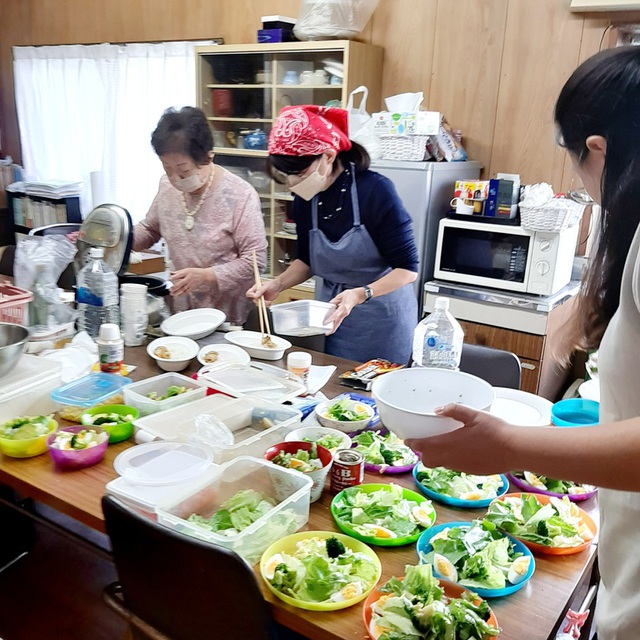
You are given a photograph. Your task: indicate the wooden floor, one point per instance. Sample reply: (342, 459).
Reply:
(54, 593)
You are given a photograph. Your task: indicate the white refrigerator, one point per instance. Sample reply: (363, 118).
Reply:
(426, 189)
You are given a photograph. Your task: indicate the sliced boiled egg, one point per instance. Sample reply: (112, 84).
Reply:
(445, 567)
(348, 592)
(361, 408)
(294, 463)
(533, 480)
(585, 533)
(577, 490)
(271, 564)
(423, 514)
(472, 495)
(377, 531)
(376, 629)
(518, 569)
(440, 536)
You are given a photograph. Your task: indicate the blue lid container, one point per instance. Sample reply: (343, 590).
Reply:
(90, 390)
(575, 412)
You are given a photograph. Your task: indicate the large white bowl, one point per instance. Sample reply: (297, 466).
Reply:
(406, 399)
(184, 349)
(194, 324)
(251, 342)
(343, 425)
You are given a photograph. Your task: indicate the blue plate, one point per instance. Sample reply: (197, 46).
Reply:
(423, 546)
(457, 502)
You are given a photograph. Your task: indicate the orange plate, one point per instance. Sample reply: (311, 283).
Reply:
(585, 518)
(451, 590)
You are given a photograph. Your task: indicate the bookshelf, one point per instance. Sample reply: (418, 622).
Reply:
(28, 212)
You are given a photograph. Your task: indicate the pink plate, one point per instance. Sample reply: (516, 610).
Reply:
(523, 485)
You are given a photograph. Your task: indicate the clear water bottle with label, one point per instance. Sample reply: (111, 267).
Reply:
(97, 294)
(437, 340)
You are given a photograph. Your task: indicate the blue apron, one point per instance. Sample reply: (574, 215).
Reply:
(380, 328)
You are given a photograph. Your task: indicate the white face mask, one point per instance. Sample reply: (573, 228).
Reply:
(188, 185)
(312, 184)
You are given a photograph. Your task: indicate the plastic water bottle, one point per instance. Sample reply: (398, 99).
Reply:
(97, 294)
(437, 340)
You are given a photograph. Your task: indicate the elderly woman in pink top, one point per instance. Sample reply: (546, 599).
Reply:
(210, 219)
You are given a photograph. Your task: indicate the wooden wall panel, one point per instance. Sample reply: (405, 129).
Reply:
(466, 69)
(542, 44)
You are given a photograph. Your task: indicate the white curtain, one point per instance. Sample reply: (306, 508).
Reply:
(87, 112)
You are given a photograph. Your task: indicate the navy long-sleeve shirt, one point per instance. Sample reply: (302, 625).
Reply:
(381, 212)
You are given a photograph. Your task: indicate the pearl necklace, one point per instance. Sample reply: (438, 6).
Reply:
(343, 190)
(189, 221)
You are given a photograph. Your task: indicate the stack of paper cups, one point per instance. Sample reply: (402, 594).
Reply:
(133, 313)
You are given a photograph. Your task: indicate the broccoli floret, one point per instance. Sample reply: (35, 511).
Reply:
(335, 548)
(284, 579)
(389, 456)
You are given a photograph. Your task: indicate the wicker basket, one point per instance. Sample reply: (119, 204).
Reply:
(404, 147)
(556, 215)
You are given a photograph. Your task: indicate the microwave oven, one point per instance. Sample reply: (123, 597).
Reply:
(504, 257)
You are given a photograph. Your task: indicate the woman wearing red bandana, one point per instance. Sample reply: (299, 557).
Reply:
(353, 233)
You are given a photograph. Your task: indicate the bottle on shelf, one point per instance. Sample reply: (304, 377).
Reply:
(437, 340)
(97, 294)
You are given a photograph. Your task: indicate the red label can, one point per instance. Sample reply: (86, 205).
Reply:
(347, 469)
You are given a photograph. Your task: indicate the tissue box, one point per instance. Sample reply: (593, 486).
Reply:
(422, 123)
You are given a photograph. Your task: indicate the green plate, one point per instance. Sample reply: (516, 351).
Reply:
(288, 545)
(412, 496)
(119, 432)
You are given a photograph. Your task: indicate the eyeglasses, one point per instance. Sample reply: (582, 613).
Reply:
(291, 179)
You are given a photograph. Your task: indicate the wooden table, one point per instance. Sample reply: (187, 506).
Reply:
(533, 613)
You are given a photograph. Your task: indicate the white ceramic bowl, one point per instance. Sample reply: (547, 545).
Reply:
(194, 324)
(406, 399)
(181, 350)
(345, 427)
(251, 342)
(313, 434)
(226, 353)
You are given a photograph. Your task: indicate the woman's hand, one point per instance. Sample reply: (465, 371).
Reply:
(192, 279)
(344, 302)
(481, 446)
(270, 290)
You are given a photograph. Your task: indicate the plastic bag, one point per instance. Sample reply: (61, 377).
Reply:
(338, 19)
(211, 430)
(361, 127)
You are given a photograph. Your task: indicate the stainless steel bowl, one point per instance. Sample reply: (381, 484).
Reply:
(13, 341)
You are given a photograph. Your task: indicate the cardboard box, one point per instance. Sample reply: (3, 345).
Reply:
(421, 123)
(503, 199)
(151, 263)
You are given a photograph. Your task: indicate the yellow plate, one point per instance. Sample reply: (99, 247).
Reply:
(288, 546)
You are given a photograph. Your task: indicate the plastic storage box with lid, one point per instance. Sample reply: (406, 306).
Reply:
(26, 391)
(89, 390)
(136, 394)
(301, 318)
(255, 424)
(288, 490)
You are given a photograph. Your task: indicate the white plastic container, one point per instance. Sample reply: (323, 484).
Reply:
(289, 490)
(301, 318)
(245, 417)
(135, 394)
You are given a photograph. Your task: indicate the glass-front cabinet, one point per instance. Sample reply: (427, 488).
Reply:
(242, 88)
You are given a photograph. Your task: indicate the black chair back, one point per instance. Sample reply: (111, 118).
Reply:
(185, 588)
(499, 368)
(59, 228)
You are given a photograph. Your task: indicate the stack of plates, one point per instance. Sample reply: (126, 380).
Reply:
(521, 408)
(334, 67)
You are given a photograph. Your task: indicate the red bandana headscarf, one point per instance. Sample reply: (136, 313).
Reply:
(309, 130)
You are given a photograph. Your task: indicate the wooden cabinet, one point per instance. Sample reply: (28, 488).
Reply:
(543, 371)
(242, 88)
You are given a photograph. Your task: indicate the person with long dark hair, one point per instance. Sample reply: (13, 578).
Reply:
(210, 219)
(353, 232)
(598, 120)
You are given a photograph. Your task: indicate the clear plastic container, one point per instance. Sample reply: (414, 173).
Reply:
(90, 390)
(255, 424)
(301, 318)
(289, 490)
(136, 394)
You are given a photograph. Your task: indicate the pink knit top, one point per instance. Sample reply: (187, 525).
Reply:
(228, 227)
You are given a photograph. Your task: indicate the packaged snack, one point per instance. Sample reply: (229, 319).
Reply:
(362, 376)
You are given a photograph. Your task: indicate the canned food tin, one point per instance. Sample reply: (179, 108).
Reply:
(347, 469)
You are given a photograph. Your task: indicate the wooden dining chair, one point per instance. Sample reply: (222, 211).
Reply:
(175, 587)
(498, 367)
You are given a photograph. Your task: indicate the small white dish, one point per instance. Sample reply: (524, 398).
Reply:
(251, 342)
(344, 425)
(181, 352)
(521, 408)
(313, 434)
(194, 324)
(226, 353)
(590, 390)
